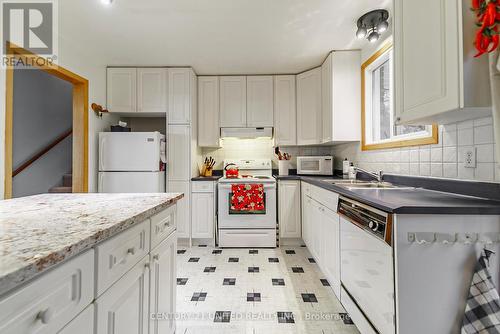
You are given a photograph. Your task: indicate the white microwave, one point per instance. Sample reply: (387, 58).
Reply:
(315, 165)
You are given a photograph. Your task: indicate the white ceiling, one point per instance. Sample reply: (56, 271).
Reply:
(216, 36)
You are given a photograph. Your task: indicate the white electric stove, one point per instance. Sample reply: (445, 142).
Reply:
(244, 229)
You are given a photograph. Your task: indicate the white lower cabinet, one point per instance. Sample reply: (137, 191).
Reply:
(123, 309)
(162, 289)
(321, 231)
(183, 207)
(202, 213)
(82, 324)
(289, 209)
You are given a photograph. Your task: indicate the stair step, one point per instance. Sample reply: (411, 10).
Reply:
(67, 180)
(60, 190)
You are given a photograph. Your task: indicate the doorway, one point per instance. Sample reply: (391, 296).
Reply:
(78, 131)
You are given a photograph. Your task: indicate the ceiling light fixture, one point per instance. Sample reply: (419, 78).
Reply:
(107, 2)
(372, 24)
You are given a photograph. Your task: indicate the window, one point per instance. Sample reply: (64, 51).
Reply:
(379, 128)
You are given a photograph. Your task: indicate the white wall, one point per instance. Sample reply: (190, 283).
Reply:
(84, 61)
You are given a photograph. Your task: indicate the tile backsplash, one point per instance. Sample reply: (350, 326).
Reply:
(445, 159)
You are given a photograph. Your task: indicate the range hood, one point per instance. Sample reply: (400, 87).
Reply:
(246, 133)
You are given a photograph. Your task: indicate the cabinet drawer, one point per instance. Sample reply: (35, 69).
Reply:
(117, 255)
(48, 303)
(203, 187)
(162, 225)
(325, 197)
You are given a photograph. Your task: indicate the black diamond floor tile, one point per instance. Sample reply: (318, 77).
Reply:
(217, 251)
(233, 259)
(181, 251)
(194, 259)
(298, 270)
(311, 260)
(253, 251)
(309, 298)
(253, 269)
(199, 297)
(285, 318)
(202, 245)
(278, 281)
(253, 297)
(182, 281)
(229, 281)
(290, 251)
(274, 260)
(346, 318)
(325, 282)
(209, 270)
(222, 316)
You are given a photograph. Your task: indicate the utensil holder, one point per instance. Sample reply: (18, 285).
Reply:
(283, 167)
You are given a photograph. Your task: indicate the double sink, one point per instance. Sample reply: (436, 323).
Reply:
(358, 184)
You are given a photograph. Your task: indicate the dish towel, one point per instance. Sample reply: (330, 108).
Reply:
(482, 311)
(247, 198)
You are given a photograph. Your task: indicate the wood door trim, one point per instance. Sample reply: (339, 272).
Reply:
(80, 116)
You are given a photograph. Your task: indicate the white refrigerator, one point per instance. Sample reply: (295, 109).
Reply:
(131, 162)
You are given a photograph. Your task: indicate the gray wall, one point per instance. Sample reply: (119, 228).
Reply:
(42, 111)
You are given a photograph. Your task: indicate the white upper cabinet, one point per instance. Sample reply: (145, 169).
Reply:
(208, 112)
(180, 90)
(309, 127)
(233, 101)
(122, 89)
(436, 75)
(285, 111)
(179, 153)
(341, 97)
(152, 90)
(260, 106)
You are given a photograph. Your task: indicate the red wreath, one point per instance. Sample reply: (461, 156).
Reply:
(488, 21)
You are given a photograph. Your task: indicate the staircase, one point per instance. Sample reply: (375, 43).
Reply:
(67, 185)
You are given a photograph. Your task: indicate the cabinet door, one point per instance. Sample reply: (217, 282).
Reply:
(183, 207)
(152, 90)
(260, 106)
(208, 112)
(82, 324)
(289, 209)
(122, 89)
(178, 153)
(326, 100)
(330, 249)
(203, 214)
(285, 111)
(309, 107)
(314, 229)
(179, 96)
(163, 286)
(427, 69)
(123, 309)
(233, 101)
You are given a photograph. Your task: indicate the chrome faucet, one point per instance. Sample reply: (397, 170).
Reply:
(377, 176)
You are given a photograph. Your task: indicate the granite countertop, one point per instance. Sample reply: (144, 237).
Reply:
(408, 201)
(38, 232)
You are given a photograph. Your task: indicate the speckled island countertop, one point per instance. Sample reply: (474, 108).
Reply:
(38, 232)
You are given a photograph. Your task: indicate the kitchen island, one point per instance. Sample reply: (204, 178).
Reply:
(75, 255)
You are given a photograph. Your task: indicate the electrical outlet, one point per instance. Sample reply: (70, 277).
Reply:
(470, 158)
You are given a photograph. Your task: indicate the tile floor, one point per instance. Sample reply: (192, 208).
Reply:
(255, 291)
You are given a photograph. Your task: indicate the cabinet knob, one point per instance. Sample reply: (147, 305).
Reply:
(45, 316)
(146, 265)
(131, 251)
(156, 257)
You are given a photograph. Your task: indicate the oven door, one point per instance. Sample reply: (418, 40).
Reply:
(367, 275)
(231, 219)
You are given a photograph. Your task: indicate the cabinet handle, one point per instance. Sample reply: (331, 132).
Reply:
(131, 251)
(146, 265)
(156, 257)
(45, 316)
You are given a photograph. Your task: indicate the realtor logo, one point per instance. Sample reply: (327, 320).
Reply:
(30, 25)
